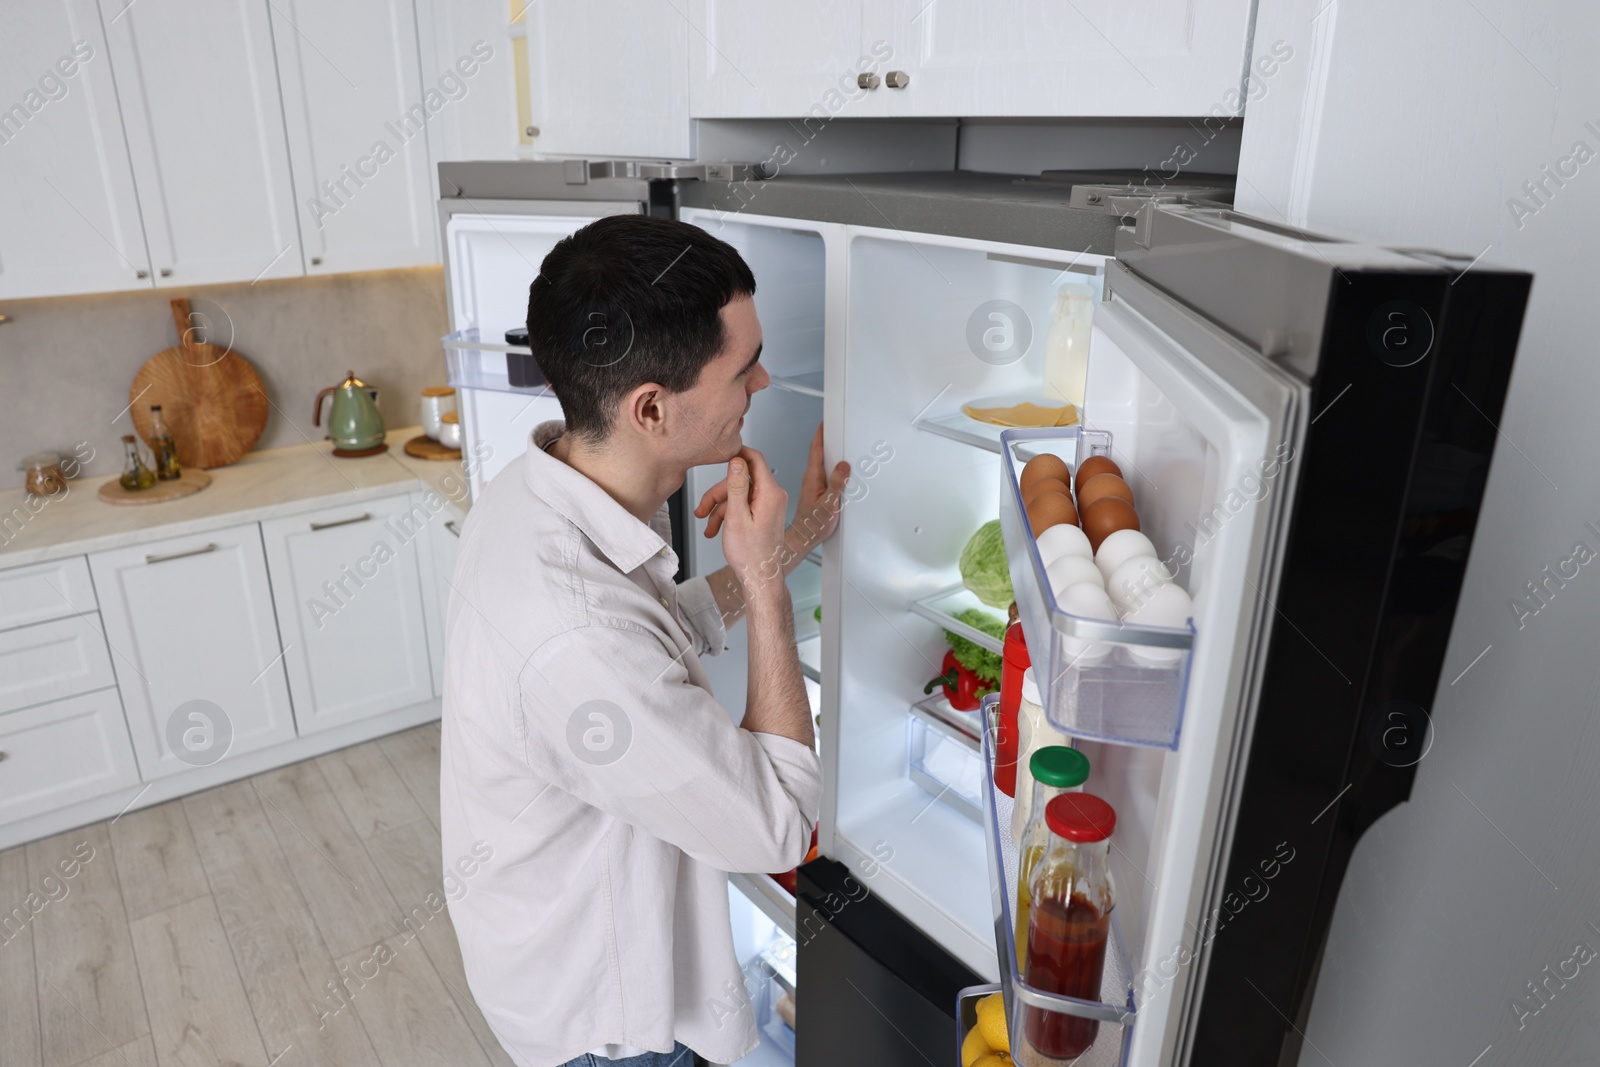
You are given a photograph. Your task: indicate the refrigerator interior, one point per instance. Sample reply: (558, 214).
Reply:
(766, 955)
(1184, 439)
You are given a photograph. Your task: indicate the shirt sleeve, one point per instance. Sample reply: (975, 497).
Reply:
(697, 604)
(610, 715)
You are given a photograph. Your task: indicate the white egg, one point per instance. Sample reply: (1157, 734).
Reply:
(1087, 601)
(1167, 606)
(1070, 570)
(1135, 580)
(1063, 539)
(1119, 547)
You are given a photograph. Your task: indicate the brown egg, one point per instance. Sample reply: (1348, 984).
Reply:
(1051, 509)
(1043, 466)
(1094, 466)
(1042, 486)
(1108, 515)
(1101, 486)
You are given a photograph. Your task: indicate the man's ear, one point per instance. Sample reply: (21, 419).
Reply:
(644, 410)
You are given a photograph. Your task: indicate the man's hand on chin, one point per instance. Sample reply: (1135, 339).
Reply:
(817, 508)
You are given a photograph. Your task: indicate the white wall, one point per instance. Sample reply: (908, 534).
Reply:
(1417, 122)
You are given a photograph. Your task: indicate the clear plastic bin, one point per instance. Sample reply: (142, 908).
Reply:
(1121, 697)
(943, 759)
(1116, 1010)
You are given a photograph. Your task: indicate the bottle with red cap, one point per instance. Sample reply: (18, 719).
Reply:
(1072, 898)
(1013, 662)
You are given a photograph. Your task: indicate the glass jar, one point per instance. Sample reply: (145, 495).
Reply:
(42, 474)
(1069, 921)
(1055, 770)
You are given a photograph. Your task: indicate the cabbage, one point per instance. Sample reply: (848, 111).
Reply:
(983, 567)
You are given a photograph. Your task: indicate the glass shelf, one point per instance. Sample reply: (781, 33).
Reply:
(1116, 1010)
(958, 427)
(942, 606)
(802, 384)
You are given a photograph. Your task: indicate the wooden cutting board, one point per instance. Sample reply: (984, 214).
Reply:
(211, 398)
(189, 482)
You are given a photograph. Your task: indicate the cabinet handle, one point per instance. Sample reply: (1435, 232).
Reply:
(166, 272)
(202, 550)
(141, 274)
(316, 261)
(363, 517)
(866, 81)
(453, 528)
(897, 79)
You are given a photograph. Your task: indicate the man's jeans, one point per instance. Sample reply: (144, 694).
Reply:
(680, 1056)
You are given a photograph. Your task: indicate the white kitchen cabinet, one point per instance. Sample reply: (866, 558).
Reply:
(438, 564)
(57, 754)
(200, 103)
(52, 660)
(357, 114)
(610, 78)
(40, 592)
(347, 586)
(786, 62)
(71, 220)
(190, 619)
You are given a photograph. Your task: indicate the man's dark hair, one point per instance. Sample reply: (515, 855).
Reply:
(626, 300)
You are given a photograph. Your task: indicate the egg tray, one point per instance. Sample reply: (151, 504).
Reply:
(1119, 698)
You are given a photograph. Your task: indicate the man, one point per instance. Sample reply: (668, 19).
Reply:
(590, 782)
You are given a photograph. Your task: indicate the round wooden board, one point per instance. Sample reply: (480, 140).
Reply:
(211, 398)
(424, 447)
(188, 483)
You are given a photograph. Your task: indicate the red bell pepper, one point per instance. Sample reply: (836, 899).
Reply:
(962, 688)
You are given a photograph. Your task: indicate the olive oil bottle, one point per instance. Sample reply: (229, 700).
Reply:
(161, 444)
(135, 475)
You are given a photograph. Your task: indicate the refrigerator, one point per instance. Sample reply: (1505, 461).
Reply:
(1306, 421)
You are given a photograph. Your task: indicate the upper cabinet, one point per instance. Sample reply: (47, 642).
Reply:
(200, 104)
(786, 62)
(970, 58)
(358, 113)
(611, 77)
(71, 218)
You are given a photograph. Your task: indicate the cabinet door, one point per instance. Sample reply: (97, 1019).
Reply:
(357, 115)
(190, 619)
(609, 78)
(438, 564)
(71, 221)
(204, 120)
(57, 754)
(786, 62)
(1090, 58)
(349, 601)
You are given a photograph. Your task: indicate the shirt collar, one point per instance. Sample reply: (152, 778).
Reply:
(615, 531)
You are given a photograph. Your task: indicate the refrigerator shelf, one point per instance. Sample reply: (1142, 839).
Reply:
(943, 760)
(942, 606)
(1116, 1010)
(800, 384)
(965, 725)
(1103, 679)
(474, 364)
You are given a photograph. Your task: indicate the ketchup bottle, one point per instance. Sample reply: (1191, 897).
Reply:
(1013, 661)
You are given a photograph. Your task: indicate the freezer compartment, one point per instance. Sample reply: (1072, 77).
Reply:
(1107, 680)
(1115, 1012)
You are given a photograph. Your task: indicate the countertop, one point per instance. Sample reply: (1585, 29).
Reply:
(262, 485)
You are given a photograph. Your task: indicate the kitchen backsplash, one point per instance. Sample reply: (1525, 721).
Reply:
(67, 362)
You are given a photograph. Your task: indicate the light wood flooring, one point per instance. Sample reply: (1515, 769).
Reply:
(206, 931)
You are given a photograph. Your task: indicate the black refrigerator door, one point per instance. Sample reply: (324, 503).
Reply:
(874, 989)
(1408, 356)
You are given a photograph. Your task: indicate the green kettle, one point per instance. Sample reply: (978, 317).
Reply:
(353, 421)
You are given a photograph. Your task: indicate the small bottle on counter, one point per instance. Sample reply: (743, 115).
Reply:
(135, 475)
(161, 444)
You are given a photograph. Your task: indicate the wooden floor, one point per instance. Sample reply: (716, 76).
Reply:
(286, 920)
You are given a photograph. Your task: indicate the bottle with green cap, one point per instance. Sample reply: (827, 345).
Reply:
(1056, 769)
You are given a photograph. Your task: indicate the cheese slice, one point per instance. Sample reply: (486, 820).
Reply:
(1023, 415)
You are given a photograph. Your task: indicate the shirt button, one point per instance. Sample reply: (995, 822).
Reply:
(665, 550)
(664, 602)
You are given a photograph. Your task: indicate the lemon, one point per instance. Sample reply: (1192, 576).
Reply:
(994, 1059)
(974, 1047)
(992, 1021)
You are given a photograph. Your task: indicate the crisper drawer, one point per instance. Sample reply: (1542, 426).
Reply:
(52, 660)
(40, 592)
(60, 753)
